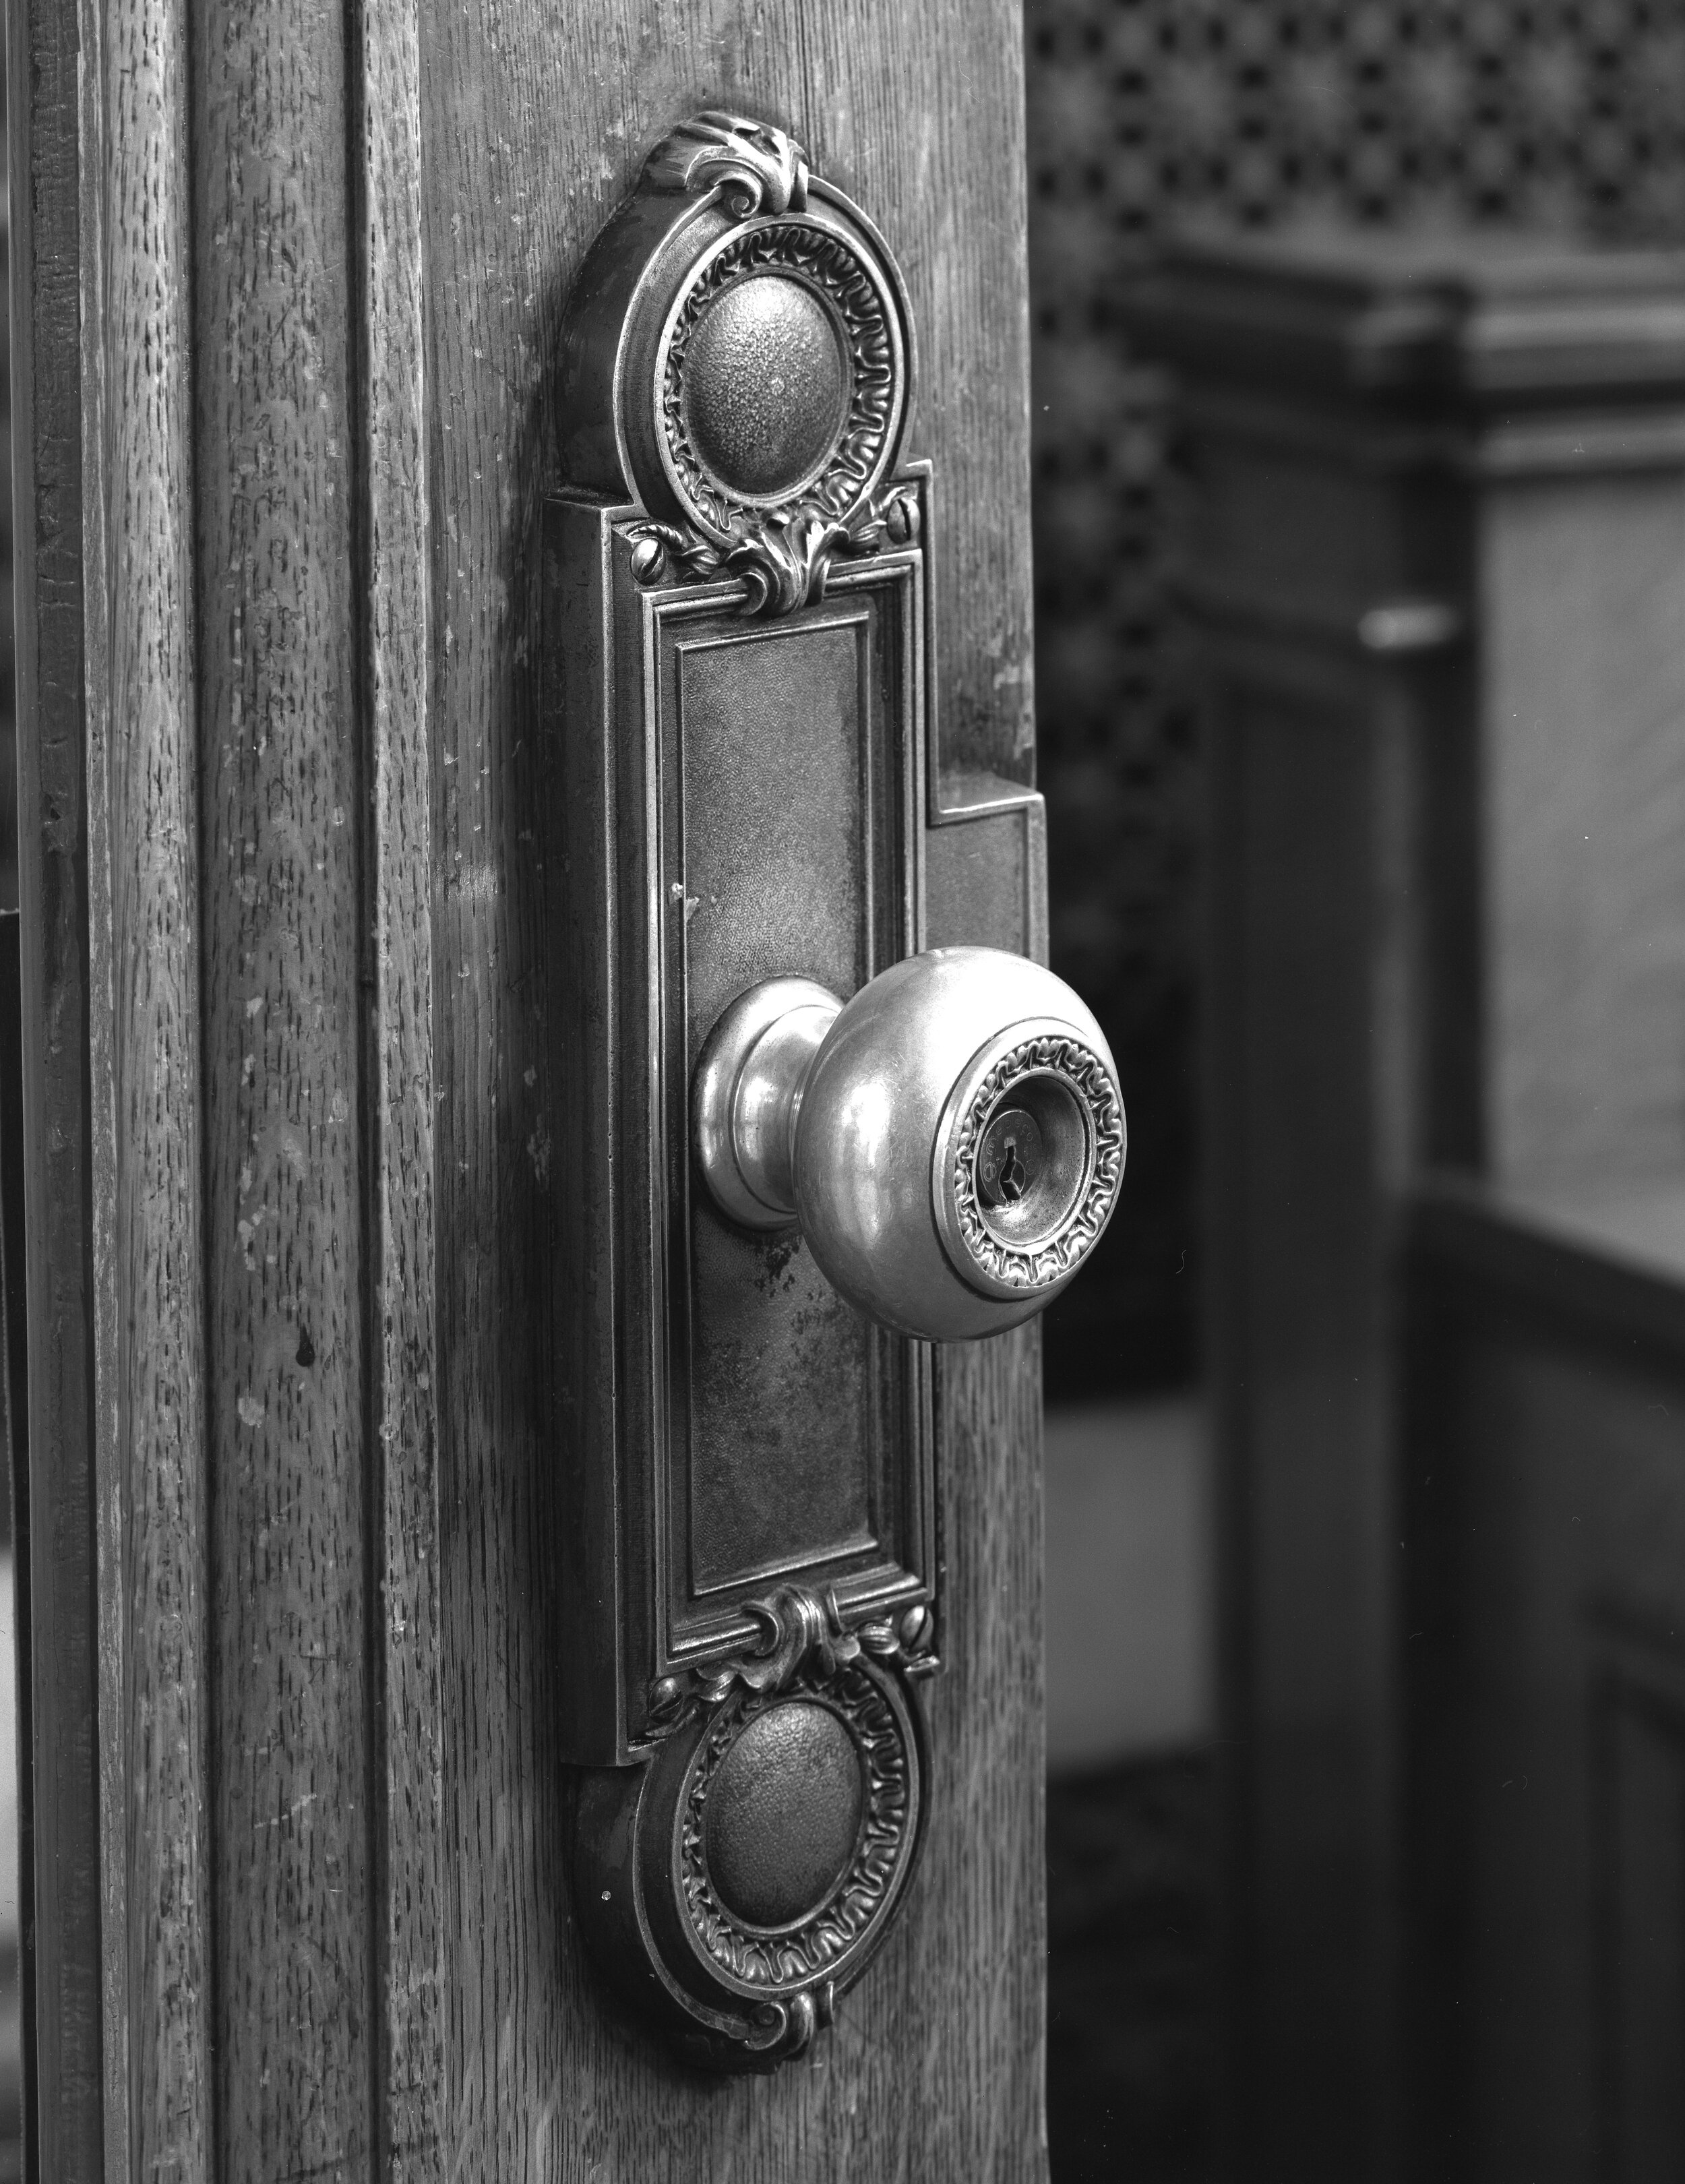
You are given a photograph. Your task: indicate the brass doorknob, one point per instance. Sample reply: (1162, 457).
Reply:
(950, 1141)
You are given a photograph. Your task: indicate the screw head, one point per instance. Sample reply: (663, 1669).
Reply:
(648, 561)
(901, 519)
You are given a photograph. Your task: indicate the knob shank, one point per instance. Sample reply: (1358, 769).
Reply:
(747, 1094)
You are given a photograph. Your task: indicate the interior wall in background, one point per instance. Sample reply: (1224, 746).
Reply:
(8, 739)
(1567, 115)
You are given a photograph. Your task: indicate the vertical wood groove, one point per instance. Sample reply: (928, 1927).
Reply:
(408, 1931)
(282, 1050)
(63, 2089)
(146, 1067)
(99, 166)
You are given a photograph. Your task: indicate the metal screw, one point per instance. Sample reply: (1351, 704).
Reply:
(648, 561)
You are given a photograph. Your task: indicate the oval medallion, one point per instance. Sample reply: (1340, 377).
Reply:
(784, 1815)
(766, 385)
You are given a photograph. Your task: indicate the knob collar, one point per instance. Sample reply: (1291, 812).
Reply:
(748, 1096)
(1006, 1243)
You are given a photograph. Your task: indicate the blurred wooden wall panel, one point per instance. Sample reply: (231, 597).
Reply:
(1436, 568)
(1546, 1490)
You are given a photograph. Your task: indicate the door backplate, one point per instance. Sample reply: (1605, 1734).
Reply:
(740, 675)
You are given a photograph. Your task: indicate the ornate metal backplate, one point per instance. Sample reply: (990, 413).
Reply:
(738, 678)
(738, 354)
(745, 1876)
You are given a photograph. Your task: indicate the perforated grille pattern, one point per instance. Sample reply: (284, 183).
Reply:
(1259, 112)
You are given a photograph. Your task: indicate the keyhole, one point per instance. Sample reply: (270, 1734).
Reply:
(1009, 1158)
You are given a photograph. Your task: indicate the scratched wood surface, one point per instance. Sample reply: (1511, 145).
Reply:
(535, 119)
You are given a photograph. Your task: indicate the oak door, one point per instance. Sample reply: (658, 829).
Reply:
(288, 282)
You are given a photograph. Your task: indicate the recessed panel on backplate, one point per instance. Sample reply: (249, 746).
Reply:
(791, 805)
(776, 772)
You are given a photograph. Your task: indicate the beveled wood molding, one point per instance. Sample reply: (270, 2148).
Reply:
(223, 636)
(1503, 319)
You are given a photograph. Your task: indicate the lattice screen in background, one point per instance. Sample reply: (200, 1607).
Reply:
(1262, 112)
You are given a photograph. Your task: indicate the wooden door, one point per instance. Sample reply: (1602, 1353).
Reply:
(289, 278)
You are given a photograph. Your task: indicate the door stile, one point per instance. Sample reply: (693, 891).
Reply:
(390, 314)
(280, 773)
(62, 2093)
(69, 1546)
(144, 1064)
(149, 1425)
(227, 1069)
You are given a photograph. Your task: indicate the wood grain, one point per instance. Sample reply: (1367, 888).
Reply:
(63, 2090)
(99, 172)
(292, 1195)
(409, 1817)
(282, 914)
(145, 1063)
(535, 120)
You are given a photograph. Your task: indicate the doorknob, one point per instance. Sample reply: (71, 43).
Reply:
(950, 1143)
(777, 1199)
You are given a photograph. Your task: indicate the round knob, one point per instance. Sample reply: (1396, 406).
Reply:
(951, 1141)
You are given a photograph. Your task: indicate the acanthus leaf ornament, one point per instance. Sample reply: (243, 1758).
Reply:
(783, 567)
(800, 1631)
(763, 169)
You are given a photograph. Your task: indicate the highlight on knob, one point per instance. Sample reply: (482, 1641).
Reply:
(951, 1141)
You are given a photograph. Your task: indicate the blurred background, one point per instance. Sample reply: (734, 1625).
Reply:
(1260, 116)
(1563, 118)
